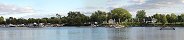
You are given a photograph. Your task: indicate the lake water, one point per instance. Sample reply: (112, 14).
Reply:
(87, 33)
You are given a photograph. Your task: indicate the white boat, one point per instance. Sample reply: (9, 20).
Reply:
(93, 25)
(119, 26)
(11, 25)
(35, 25)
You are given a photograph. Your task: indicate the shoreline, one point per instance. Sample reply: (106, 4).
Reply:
(79, 27)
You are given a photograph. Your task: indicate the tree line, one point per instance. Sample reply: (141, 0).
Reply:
(118, 14)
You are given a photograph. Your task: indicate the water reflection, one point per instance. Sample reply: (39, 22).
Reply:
(85, 33)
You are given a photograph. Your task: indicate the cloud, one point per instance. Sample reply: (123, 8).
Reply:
(183, 1)
(13, 9)
(103, 5)
(138, 1)
(107, 5)
(151, 6)
(155, 4)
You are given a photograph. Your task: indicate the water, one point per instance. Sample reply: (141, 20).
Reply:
(87, 33)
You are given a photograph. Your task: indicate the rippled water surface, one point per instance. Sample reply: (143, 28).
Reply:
(88, 33)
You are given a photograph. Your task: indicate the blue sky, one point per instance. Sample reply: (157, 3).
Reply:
(48, 8)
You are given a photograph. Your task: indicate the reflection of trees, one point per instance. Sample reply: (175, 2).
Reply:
(99, 34)
(118, 34)
(58, 34)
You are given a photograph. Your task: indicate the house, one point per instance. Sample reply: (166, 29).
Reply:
(149, 20)
(111, 21)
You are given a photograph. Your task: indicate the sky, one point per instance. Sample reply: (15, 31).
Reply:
(48, 8)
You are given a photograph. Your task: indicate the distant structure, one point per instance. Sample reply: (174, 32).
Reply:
(111, 21)
(149, 20)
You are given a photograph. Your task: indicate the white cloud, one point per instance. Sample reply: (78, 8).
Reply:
(155, 4)
(13, 9)
(183, 1)
(138, 1)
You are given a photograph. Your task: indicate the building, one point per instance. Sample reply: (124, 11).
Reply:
(149, 20)
(111, 21)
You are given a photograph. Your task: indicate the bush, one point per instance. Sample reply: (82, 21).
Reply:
(182, 23)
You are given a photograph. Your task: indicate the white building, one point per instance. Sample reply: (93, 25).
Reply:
(111, 21)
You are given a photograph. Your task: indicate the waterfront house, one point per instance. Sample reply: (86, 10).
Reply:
(149, 20)
(111, 21)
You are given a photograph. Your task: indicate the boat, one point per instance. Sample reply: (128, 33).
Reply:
(116, 26)
(119, 26)
(167, 28)
(11, 25)
(2, 25)
(92, 25)
(57, 25)
(35, 25)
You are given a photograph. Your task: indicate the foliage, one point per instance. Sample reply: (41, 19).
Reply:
(141, 14)
(121, 14)
(182, 17)
(76, 18)
(158, 17)
(173, 18)
(164, 19)
(98, 16)
(1, 20)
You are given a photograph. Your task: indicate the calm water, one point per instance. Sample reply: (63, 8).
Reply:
(87, 33)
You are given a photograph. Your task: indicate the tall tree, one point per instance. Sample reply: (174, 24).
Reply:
(58, 16)
(168, 16)
(141, 14)
(43, 20)
(21, 21)
(173, 18)
(98, 16)
(164, 19)
(121, 14)
(76, 18)
(182, 17)
(1, 20)
(11, 20)
(158, 17)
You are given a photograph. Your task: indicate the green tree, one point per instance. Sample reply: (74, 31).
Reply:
(168, 16)
(182, 17)
(98, 16)
(158, 17)
(76, 18)
(141, 14)
(43, 20)
(11, 20)
(21, 21)
(164, 19)
(32, 20)
(121, 14)
(1, 20)
(58, 16)
(53, 20)
(64, 20)
(173, 18)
